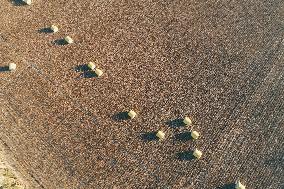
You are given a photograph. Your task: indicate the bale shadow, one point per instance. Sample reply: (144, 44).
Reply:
(175, 123)
(18, 2)
(120, 116)
(45, 30)
(89, 74)
(86, 72)
(82, 68)
(227, 186)
(4, 68)
(149, 136)
(60, 42)
(185, 156)
(186, 136)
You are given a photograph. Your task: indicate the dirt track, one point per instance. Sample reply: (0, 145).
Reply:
(219, 62)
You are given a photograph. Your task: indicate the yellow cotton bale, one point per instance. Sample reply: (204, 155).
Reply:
(187, 121)
(99, 72)
(12, 66)
(195, 135)
(132, 114)
(54, 28)
(69, 40)
(161, 135)
(197, 153)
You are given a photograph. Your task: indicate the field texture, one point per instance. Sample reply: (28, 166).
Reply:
(219, 62)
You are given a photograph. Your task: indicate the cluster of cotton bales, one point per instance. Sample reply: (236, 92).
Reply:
(69, 40)
(132, 114)
(162, 136)
(94, 68)
(187, 121)
(195, 135)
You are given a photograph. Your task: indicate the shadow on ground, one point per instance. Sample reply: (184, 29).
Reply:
(82, 68)
(175, 123)
(4, 68)
(183, 136)
(45, 30)
(18, 2)
(89, 74)
(149, 136)
(120, 116)
(185, 156)
(227, 186)
(85, 71)
(60, 42)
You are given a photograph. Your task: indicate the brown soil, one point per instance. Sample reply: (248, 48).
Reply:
(10, 177)
(218, 62)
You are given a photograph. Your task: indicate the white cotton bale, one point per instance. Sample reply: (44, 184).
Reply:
(195, 135)
(99, 72)
(239, 185)
(132, 114)
(197, 153)
(187, 121)
(28, 2)
(161, 135)
(91, 65)
(54, 28)
(69, 40)
(12, 66)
